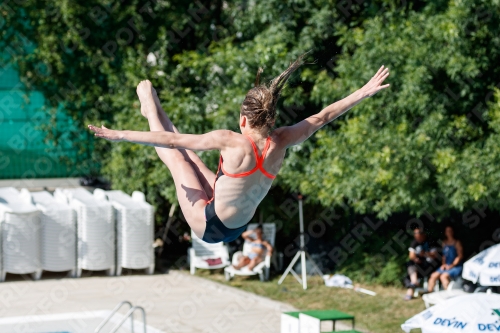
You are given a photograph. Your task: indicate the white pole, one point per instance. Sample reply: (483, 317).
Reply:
(302, 245)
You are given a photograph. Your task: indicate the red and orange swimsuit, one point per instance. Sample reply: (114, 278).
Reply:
(215, 230)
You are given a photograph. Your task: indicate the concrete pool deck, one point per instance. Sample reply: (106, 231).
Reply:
(174, 302)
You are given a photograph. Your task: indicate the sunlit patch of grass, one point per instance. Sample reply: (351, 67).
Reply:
(383, 313)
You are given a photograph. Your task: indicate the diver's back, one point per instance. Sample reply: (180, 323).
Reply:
(237, 195)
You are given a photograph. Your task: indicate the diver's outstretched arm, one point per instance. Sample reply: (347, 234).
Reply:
(298, 133)
(215, 140)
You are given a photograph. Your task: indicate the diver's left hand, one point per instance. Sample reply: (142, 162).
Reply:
(106, 133)
(375, 84)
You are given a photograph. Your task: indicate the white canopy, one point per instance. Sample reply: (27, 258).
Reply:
(469, 313)
(484, 267)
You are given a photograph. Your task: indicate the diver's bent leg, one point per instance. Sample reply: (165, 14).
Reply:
(190, 192)
(205, 175)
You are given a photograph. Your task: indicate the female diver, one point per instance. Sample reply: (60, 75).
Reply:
(218, 206)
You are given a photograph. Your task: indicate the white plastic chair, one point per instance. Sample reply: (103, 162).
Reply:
(263, 268)
(134, 230)
(201, 253)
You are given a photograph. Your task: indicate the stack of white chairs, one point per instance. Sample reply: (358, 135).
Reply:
(207, 255)
(134, 230)
(58, 232)
(263, 268)
(95, 226)
(20, 235)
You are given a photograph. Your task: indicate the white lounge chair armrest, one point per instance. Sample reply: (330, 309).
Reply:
(267, 260)
(191, 255)
(226, 253)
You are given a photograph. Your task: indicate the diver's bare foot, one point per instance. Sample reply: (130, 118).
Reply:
(145, 93)
(156, 100)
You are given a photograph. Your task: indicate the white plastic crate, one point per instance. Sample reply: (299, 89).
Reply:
(95, 226)
(134, 230)
(58, 232)
(20, 235)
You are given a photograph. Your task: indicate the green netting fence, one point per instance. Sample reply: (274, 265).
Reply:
(25, 151)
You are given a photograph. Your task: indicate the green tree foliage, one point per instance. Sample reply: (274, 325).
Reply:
(426, 144)
(421, 147)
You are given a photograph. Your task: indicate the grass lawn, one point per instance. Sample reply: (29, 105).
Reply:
(383, 313)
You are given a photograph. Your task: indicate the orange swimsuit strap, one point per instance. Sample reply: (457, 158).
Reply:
(259, 165)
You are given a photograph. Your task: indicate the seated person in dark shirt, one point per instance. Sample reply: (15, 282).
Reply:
(422, 255)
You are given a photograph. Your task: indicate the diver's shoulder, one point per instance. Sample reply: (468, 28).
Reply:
(278, 137)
